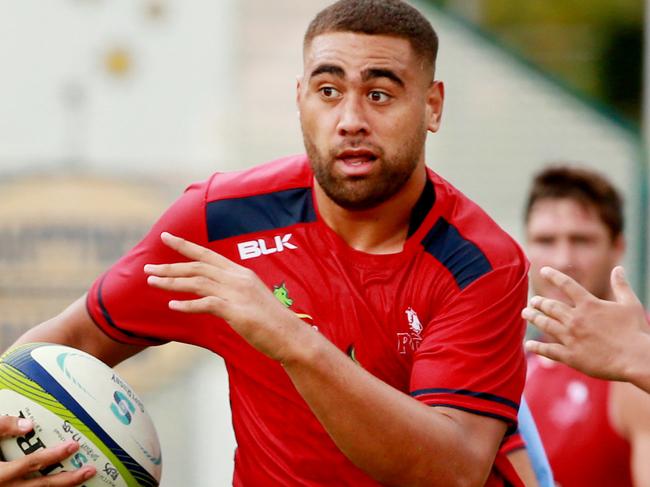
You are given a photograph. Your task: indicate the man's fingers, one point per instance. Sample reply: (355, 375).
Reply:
(551, 307)
(545, 323)
(199, 285)
(193, 251)
(13, 426)
(38, 461)
(554, 351)
(64, 479)
(623, 292)
(208, 304)
(182, 269)
(565, 283)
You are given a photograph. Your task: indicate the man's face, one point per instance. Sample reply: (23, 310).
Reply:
(366, 103)
(569, 236)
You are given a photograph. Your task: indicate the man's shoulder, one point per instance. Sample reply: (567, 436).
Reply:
(264, 198)
(284, 174)
(475, 225)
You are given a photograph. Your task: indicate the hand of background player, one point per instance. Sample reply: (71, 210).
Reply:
(229, 291)
(606, 339)
(13, 474)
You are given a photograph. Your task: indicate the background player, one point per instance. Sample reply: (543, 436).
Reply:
(409, 288)
(595, 432)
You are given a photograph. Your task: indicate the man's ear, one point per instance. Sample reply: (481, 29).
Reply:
(298, 87)
(435, 101)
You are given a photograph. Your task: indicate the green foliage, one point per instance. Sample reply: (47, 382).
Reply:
(595, 46)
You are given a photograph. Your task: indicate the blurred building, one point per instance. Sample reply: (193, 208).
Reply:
(112, 108)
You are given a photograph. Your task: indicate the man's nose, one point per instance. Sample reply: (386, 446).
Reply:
(563, 258)
(352, 119)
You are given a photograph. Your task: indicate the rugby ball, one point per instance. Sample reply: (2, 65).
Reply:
(69, 394)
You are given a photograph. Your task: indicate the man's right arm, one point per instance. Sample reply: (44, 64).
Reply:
(75, 328)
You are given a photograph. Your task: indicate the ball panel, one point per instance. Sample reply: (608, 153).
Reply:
(49, 430)
(106, 397)
(22, 396)
(57, 400)
(83, 393)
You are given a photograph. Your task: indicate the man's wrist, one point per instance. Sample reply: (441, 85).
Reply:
(637, 369)
(304, 346)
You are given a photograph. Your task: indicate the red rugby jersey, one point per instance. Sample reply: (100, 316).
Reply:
(571, 413)
(439, 320)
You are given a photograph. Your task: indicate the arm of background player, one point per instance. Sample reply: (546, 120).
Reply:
(393, 437)
(531, 460)
(523, 466)
(630, 410)
(606, 339)
(75, 328)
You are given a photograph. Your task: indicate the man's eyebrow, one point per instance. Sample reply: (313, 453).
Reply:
(374, 73)
(328, 69)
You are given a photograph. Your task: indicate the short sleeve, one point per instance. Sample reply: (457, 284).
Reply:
(471, 357)
(123, 305)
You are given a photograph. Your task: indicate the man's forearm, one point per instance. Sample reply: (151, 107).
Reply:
(391, 436)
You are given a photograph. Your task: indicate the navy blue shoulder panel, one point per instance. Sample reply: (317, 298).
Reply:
(237, 216)
(462, 258)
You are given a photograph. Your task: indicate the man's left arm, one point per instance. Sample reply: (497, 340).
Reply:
(395, 438)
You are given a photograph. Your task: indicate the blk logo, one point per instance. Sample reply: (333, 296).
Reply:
(261, 246)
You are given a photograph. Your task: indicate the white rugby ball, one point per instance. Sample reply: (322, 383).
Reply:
(69, 394)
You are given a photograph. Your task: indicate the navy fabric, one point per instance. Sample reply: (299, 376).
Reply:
(238, 216)
(465, 392)
(422, 207)
(462, 258)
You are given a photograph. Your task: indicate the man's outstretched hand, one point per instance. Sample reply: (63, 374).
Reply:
(605, 339)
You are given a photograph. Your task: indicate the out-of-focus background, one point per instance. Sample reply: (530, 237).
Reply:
(110, 108)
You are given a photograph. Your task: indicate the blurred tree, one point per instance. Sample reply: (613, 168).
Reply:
(596, 47)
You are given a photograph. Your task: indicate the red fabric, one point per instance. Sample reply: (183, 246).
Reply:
(464, 350)
(507, 472)
(511, 443)
(571, 413)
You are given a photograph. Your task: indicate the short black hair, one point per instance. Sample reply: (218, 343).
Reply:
(585, 186)
(378, 17)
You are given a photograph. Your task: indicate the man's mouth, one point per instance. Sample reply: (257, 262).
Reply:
(357, 157)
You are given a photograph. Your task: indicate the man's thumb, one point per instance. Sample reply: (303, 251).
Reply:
(623, 292)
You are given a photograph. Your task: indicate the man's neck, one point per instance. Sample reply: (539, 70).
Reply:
(379, 230)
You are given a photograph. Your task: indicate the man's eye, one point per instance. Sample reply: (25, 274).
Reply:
(330, 92)
(583, 240)
(379, 96)
(547, 241)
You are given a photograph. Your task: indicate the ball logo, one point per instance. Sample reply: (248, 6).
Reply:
(61, 362)
(122, 408)
(79, 460)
